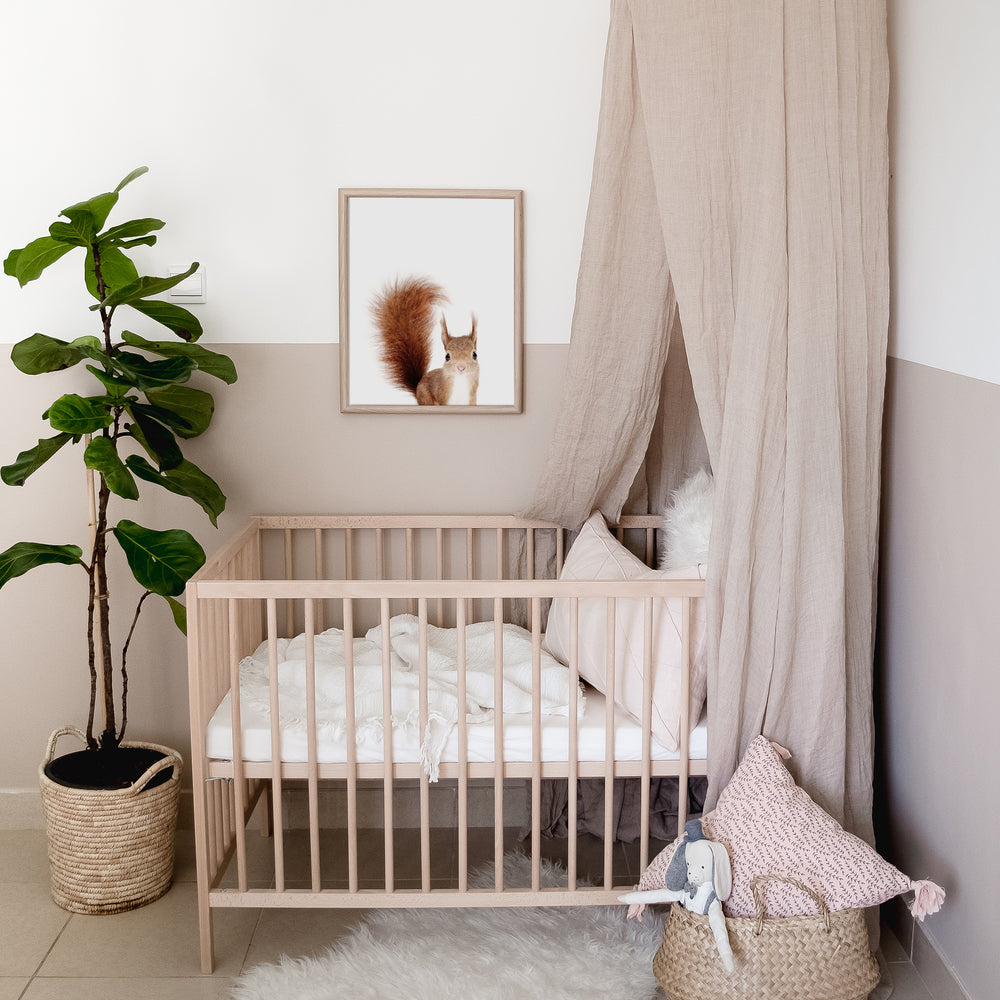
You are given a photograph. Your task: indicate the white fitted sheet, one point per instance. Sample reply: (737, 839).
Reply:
(406, 745)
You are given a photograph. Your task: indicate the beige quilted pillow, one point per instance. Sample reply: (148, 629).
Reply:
(597, 555)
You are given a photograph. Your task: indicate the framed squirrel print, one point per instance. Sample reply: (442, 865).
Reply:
(430, 301)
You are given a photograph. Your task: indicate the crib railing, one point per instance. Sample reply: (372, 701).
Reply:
(283, 576)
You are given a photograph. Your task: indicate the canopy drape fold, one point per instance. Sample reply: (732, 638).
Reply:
(740, 184)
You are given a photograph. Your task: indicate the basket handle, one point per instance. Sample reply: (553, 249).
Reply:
(757, 887)
(139, 785)
(50, 750)
(170, 760)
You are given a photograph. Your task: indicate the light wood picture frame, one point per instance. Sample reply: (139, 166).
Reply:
(468, 245)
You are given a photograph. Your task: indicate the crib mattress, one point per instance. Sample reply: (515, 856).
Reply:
(517, 739)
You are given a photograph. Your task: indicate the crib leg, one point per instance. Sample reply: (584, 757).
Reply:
(206, 931)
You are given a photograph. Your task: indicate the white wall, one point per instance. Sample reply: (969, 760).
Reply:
(945, 139)
(252, 114)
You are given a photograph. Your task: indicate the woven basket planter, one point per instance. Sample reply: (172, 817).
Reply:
(823, 957)
(111, 850)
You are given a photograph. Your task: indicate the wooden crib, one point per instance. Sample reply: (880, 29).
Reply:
(285, 576)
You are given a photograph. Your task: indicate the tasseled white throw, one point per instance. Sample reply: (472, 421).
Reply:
(442, 681)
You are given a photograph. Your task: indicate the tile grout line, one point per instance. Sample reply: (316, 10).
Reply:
(250, 939)
(48, 951)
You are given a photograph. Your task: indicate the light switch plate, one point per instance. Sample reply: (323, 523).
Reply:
(191, 289)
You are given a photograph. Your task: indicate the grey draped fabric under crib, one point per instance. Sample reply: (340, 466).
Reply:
(738, 213)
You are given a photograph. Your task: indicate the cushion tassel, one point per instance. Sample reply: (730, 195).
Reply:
(928, 898)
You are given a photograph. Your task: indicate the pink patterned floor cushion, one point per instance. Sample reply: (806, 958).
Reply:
(771, 826)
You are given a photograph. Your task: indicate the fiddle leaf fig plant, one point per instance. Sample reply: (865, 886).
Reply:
(130, 426)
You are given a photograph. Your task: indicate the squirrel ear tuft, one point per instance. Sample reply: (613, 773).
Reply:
(444, 331)
(472, 333)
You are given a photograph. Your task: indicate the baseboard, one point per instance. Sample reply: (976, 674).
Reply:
(935, 971)
(21, 809)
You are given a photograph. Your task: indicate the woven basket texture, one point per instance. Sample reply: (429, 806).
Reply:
(111, 850)
(822, 957)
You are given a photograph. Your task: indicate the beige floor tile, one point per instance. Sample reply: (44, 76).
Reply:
(12, 987)
(159, 940)
(298, 932)
(24, 857)
(29, 923)
(181, 988)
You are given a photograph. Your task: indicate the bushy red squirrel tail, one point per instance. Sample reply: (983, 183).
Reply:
(404, 317)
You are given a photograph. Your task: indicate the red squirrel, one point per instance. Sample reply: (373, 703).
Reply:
(404, 317)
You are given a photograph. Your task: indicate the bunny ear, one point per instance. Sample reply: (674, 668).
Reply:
(676, 873)
(723, 870)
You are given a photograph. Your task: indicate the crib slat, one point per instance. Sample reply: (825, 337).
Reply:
(275, 786)
(239, 787)
(439, 567)
(469, 564)
(463, 753)
(647, 725)
(410, 604)
(320, 572)
(609, 745)
(289, 575)
(212, 829)
(351, 738)
(685, 723)
(574, 744)
(312, 750)
(387, 811)
(536, 743)
(425, 820)
(498, 762)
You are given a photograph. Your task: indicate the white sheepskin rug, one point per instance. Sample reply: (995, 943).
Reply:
(687, 523)
(551, 953)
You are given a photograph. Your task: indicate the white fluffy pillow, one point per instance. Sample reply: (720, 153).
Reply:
(687, 523)
(598, 555)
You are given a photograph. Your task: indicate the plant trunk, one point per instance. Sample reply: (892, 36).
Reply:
(109, 738)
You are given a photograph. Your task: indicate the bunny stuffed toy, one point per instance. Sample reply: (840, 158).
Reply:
(699, 877)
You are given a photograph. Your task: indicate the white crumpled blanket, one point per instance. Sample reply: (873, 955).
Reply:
(442, 682)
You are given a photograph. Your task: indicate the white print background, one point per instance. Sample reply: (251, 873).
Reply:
(465, 245)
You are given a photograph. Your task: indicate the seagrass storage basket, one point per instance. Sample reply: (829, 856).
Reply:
(111, 850)
(822, 957)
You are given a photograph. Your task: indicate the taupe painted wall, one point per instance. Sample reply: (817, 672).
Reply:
(939, 654)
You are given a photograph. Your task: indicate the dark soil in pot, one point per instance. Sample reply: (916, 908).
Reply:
(106, 769)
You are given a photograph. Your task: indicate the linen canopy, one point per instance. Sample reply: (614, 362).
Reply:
(732, 309)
